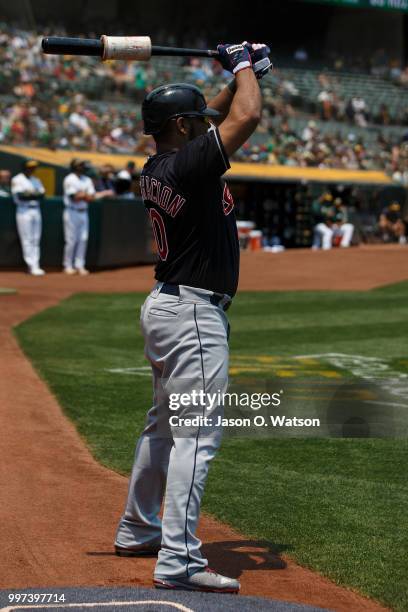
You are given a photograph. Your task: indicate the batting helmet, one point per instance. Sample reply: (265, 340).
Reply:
(169, 101)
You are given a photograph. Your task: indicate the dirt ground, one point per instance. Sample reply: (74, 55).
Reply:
(59, 508)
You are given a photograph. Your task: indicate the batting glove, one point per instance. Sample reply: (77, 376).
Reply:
(234, 57)
(259, 54)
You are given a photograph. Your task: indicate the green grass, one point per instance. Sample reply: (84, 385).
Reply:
(335, 505)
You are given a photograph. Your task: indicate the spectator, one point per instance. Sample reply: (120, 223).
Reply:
(78, 119)
(391, 224)
(395, 70)
(5, 183)
(338, 62)
(358, 108)
(310, 131)
(200, 71)
(383, 117)
(289, 90)
(338, 107)
(379, 63)
(403, 79)
(400, 175)
(140, 80)
(325, 99)
(301, 55)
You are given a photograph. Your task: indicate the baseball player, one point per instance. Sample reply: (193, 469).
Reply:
(5, 183)
(183, 319)
(27, 191)
(332, 222)
(343, 229)
(79, 190)
(391, 223)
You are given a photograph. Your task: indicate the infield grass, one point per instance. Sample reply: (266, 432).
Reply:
(338, 506)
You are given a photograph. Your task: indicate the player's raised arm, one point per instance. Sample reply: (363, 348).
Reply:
(261, 64)
(246, 105)
(222, 102)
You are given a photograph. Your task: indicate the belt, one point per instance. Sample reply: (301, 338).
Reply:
(76, 209)
(217, 299)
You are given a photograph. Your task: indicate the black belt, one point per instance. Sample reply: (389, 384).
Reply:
(215, 298)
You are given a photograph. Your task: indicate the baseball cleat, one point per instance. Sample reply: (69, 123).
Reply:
(83, 271)
(37, 272)
(144, 550)
(70, 271)
(206, 580)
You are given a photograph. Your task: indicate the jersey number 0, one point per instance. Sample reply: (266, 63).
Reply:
(159, 233)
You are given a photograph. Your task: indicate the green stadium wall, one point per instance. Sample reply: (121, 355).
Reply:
(120, 234)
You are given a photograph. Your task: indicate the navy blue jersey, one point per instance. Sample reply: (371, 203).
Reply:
(192, 214)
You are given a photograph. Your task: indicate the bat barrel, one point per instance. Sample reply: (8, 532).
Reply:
(72, 46)
(182, 52)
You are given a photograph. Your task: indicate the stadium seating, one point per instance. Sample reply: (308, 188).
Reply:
(38, 101)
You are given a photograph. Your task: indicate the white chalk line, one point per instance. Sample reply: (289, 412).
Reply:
(394, 404)
(368, 368)
(140, 371)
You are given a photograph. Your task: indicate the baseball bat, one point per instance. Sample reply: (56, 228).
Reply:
(117, 47)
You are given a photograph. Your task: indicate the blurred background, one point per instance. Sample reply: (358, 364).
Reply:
(332, 145)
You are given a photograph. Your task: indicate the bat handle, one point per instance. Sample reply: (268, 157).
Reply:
(72, 46)
(182, 52)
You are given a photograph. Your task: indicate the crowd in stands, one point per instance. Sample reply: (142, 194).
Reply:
(312, 148)
(379, 64)
(83, 104)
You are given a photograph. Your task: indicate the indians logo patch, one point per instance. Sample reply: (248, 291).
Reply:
(227, 200)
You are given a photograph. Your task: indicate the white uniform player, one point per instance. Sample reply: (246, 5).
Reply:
(78, 191)
(27, 191)
(335, 225)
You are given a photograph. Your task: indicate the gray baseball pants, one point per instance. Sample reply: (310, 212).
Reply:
(186, 342)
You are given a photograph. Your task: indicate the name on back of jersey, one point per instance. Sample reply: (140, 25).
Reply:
(154, 191)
